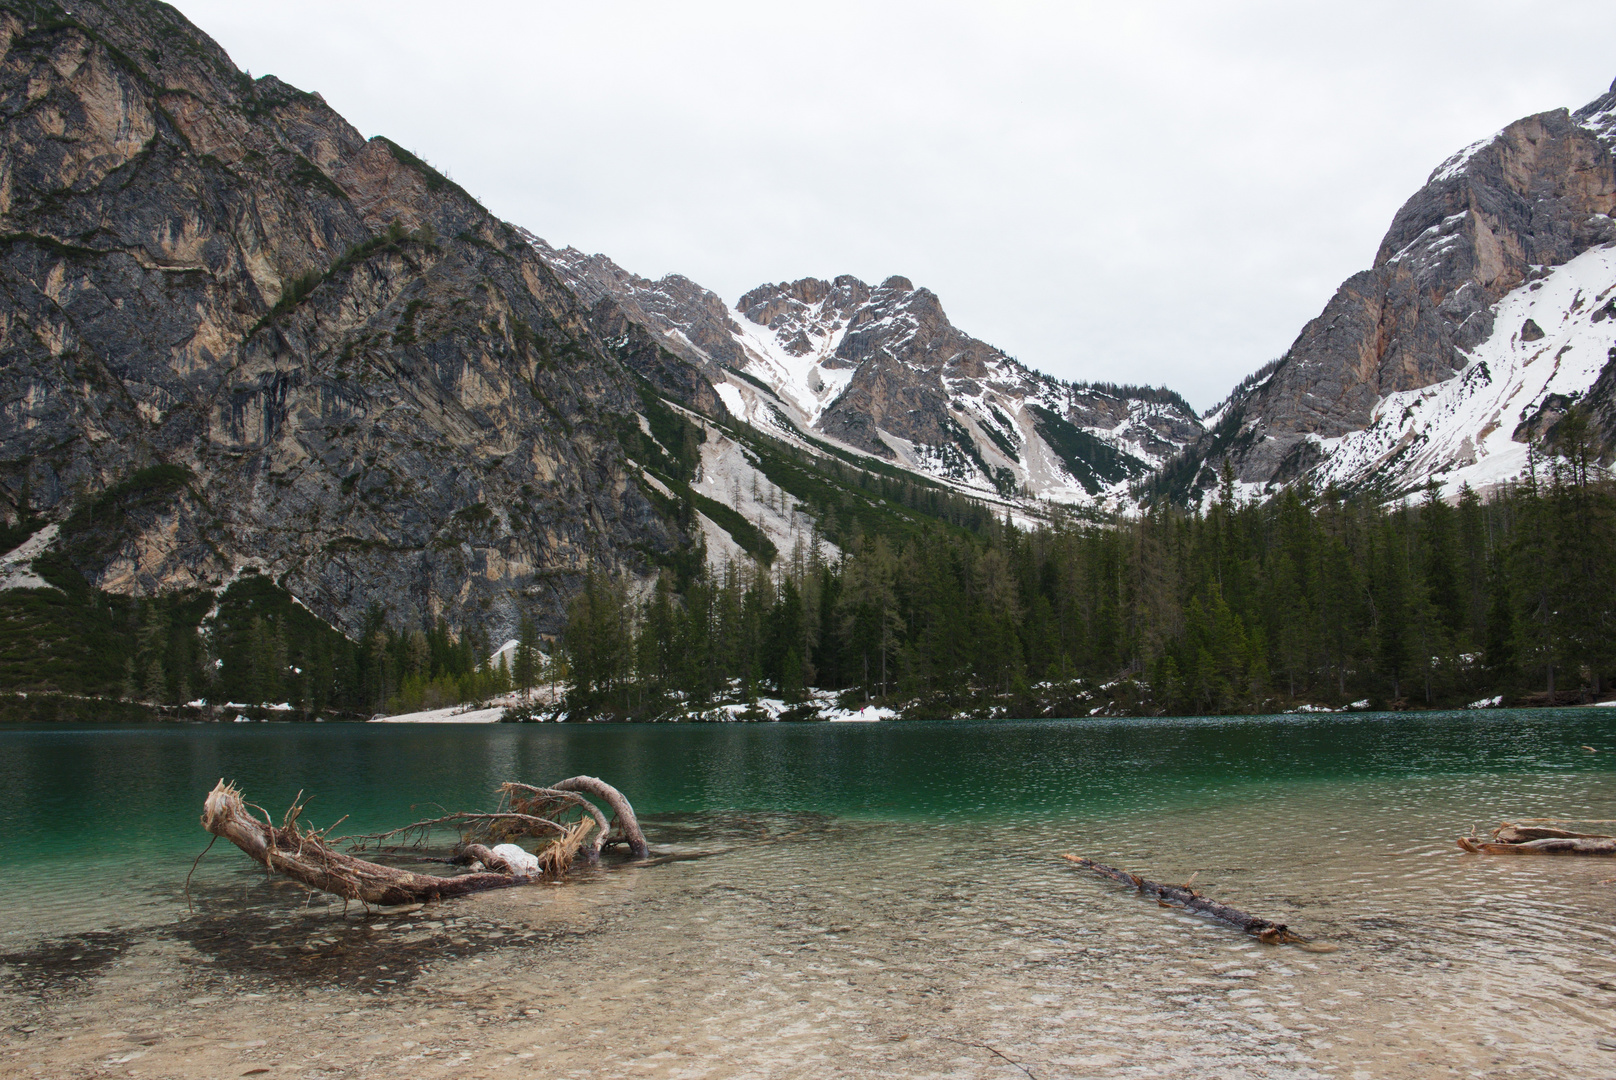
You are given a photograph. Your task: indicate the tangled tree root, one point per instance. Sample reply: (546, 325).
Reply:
(1270, 933)
(307, 856)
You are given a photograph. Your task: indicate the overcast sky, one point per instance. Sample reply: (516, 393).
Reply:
(1136, 192)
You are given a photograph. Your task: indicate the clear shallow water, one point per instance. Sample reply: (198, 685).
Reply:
(882, 898)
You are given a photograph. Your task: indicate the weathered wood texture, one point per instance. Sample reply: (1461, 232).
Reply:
(304, 856)
(1183, 896)
(1532, 838)
(590, 785)
(1557, 845)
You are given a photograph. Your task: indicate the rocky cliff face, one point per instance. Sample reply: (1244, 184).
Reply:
(1491, 220)
(883, 371)
(364, 383)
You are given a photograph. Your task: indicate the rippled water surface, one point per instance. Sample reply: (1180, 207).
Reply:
(857, 900)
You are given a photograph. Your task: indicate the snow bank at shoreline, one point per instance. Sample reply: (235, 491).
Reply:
(867, 715)
(456, 714)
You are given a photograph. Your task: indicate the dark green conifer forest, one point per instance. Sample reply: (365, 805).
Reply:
(1307, 598)
(253, 645)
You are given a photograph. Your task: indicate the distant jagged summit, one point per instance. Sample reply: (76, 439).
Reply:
(881, 369)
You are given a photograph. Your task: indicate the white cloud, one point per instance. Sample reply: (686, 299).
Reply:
(1148, 192)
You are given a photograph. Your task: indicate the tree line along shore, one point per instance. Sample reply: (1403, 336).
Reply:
(1310, 599)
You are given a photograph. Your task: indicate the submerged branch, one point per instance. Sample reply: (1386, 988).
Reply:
(1539, 836)
(1183, 896)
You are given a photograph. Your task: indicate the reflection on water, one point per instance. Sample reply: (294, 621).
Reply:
(882, 900)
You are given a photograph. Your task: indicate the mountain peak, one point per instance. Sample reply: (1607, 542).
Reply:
(1599, 116)
(1504, 229)
(884, 372)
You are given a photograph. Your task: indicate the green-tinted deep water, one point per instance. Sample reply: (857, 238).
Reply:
(861, 886)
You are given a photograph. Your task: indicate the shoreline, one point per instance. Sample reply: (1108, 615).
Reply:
(58, 708)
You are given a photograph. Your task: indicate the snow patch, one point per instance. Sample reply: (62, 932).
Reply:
(457, 714)
(728, 475)
(1602, 124)
(731, 396)
(810, 382)
(867, 715)
(16, 565)
(1461, 430)
(1456, 164)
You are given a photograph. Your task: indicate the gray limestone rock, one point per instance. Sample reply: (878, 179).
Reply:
(1536, 194)
(379, 392)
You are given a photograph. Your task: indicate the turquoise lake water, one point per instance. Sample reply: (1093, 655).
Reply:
(866, 869)
(75, 790)
(125, 800)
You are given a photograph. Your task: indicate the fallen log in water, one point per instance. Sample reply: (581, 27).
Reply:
(1541, 836)
(305, 855)
(1183, 896)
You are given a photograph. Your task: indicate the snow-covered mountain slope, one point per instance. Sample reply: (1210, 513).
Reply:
(730, 475)
(883, 369)
(841, 366)
(1418, 366)
(1428, 364)
(1552, 339)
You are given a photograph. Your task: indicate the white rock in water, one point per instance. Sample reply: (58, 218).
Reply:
(524, 862)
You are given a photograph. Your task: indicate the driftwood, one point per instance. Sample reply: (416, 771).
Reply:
(1183, 896)
(1541, 836)
(526, 810)
(527, 800)
(500, 827)
(306, 855)
(626, 821)
(497, 828)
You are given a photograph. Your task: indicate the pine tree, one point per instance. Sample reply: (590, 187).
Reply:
(524, 672)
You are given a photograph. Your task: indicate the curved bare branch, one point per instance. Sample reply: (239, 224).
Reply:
(626, 820)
